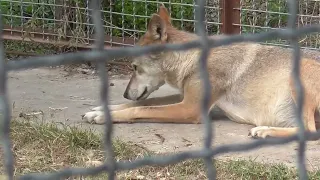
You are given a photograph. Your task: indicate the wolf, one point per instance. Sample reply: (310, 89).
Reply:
(251, 83)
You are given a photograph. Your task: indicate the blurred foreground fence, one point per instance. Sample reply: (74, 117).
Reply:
(99, 55)
(68, 22)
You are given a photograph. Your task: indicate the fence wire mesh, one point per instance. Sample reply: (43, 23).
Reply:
(98, 55)
(260, 16)
(69, 23)
(124, 20)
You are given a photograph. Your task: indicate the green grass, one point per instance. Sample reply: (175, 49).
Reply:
(40, 147)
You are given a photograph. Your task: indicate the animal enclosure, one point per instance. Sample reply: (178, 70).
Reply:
(69, 23)
(56, 22)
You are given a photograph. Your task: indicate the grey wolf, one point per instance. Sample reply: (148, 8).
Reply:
(251, 83)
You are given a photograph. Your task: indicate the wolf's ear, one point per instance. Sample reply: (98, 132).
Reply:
(157, 28)
(164, 14)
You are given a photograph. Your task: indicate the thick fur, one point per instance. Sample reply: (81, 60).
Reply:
(251, 83)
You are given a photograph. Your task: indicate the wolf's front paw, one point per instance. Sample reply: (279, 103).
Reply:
(261, 132)
(94, 117)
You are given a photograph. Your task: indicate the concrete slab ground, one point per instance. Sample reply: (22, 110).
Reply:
(63, 98)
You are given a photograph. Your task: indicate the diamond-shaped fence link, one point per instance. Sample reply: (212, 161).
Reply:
(99, 55)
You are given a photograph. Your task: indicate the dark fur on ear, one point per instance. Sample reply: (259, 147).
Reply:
(158, 28)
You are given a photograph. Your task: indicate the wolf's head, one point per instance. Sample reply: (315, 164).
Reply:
(148, 75)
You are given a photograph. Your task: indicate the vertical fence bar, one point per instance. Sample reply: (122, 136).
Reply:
(230, 15)
(170, 8)
(111, 22)
(88, 21)
(22, 16)
(43, 19)
(5, 110)
(181, 14)
(104, 92)
(293, 9)
(194, 16)
(254, 17)
(204, 75)
(122, 20)
(146, 13)
(58, 13)
(11, 17)
(241, 15)
(219, 18)
(135, 32)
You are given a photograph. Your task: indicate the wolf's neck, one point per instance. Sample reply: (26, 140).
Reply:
(179, 66)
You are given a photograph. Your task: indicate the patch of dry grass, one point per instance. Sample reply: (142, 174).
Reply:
(42, 147)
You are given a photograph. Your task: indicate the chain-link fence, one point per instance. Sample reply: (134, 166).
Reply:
(99, 56)
(264, 15)
(69, 23)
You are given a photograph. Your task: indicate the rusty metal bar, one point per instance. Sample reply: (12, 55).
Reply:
(48, 37)
(230, 15)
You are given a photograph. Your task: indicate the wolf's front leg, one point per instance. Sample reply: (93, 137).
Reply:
(171, 99)
(174, 113)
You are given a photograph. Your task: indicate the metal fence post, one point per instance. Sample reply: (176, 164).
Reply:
(230, 15)
(58, 9)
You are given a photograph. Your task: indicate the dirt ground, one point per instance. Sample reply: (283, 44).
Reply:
(64, 98)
